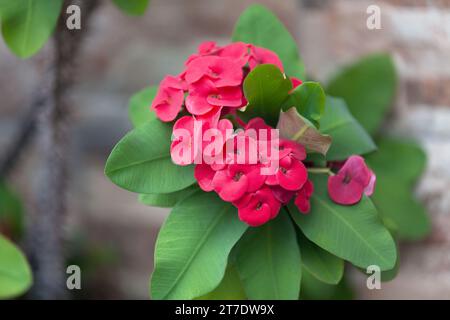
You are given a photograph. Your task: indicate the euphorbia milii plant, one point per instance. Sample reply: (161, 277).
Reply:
(245, 150)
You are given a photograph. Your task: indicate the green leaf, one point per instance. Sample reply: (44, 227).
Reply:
(354, 233)
(15, 273)
(294, 127)
(230, 288)
(368, 87)
(399, 158)
(348, 136)
(27, 24)
(268, 260)
(323, 265)
(314, 289)
(11, 213)
(265, 88)
(193, 247)
(166, 200)
(398, 164)
(132, 7)
(139, 106)
(258, 26)
(141, 162)
(309, 99)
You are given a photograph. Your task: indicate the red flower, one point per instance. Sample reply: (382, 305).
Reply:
(295, 82)
(282, 195)
(169, 99)
(260, 55)
(223, 72)
(303, 196)
(236, 180)
(351, 182)
(259, 207)
(204, 175)
(238, 51)
(205, 97)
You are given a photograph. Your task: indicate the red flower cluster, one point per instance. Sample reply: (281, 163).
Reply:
(259, 194)
(266, 172)
(213, 80)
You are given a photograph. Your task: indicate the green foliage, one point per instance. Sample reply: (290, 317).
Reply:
(398, 164)
(166, 200)
(139, 106)
(15, 273)
(265, 88)
(314, 289)
(258, 26)
(141, 161)
(325, 266)
(193, 247)
(354, 233)
(368, 87)
(230, 288)
(27, 24)
(268, 260)
(309, 99)
(132, 7)
(348, 137)
(11, 212)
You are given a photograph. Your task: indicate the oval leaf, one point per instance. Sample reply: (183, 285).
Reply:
(258, 26)
(268, 260)
(166, 200)
(139, 110)
(323, 265)
(368, 87)
(348, 136)
(354, 233)
(27, 24)
(141, 162)
(398, 164)
(193, 247)
(15, 273)
(230, 288)
(265, 88)
(309, 99)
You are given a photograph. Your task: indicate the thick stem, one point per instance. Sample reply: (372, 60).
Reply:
(27, 126)
(47, 227)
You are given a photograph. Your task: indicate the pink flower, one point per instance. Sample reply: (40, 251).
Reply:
(169, 99)
(236, 180)
(295, 82)
(187, 141)
(282, 195)
(223, 72)
(291, 149)
(303, 196)
(260, 55)
(259, 207)
(352, 181)
(204, 97)
(237, 51)
(204, 175)
(291, 175)
(204, 49)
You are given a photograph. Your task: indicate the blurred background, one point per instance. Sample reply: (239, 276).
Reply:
(112, 236)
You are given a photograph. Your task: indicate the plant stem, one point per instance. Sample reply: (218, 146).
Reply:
(45, 245)
(321, 170)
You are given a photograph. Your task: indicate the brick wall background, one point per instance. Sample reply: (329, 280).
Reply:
(124, 54)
